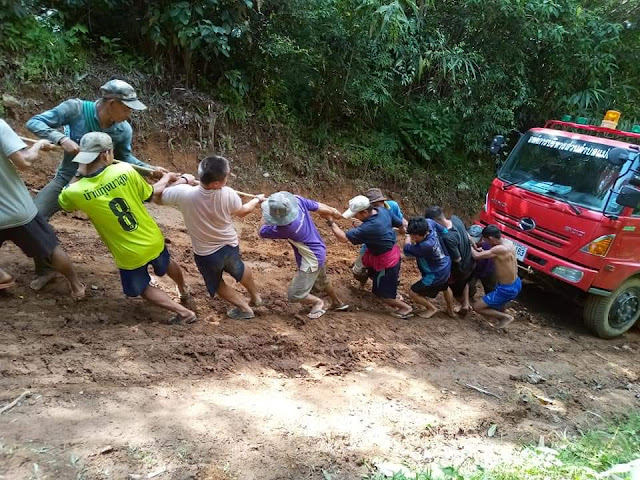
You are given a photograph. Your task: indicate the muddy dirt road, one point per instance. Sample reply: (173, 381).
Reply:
(115, 391)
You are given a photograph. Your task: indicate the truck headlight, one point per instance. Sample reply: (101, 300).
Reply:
(569, 274)
(600, 246)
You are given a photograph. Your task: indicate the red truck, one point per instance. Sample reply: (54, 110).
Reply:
(568, 197)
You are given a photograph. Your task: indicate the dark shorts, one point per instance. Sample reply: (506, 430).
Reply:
(385, 282)
(35, 239)
(458, 284)
(430, 291)
(503, 294)
(211, 267)
(134, 282)
(489, 284)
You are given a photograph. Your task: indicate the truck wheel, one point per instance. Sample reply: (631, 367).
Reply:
(609, 317)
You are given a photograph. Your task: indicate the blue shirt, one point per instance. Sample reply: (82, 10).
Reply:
(433, 261)
(376, 232)
(394, 208)
(79, 117)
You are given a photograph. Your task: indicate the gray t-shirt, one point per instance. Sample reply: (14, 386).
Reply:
(16, 206)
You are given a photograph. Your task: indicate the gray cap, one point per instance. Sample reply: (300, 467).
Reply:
(123, 92)
(93, 144)
(280, 209)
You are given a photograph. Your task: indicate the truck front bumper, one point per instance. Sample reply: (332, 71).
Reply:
(563, 270)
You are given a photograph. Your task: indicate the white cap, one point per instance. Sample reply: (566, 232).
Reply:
(357, 205)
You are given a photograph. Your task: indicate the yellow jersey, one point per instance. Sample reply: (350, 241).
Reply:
(113, 199)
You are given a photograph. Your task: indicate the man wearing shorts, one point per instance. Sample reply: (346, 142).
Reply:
(208, 210)
(503, 253)
(484, 270)
(423, 243)
(458, 245)
(383, 257)
(112, 195)
(108, 114)
(377, 199)
(19, 218)
(287, 217)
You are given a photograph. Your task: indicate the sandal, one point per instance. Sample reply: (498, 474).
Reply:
(341, 308)
(177, 320)
(236, 314)
(402, 316)
(316, 314)
(257, 304)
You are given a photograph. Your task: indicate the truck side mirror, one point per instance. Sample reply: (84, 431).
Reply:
(618, 156)
(497, 144)
(629, 197)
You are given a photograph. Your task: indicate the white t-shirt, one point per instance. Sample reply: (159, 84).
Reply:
(16, 206)
(207, 215)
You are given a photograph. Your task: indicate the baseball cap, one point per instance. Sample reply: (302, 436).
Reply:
(280, 209)
(475, 232)
(123, 92)
(356, 205)
(93, 144)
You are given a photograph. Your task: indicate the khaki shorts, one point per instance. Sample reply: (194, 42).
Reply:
(306, 282)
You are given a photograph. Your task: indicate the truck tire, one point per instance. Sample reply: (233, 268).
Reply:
(609, 317)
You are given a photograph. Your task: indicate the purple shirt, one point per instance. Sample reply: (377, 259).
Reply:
(308, 247)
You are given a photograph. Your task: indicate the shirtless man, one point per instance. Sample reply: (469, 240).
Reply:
(503, 253)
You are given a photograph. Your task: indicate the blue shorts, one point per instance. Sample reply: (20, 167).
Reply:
(503, 294)
(227, 259)
(134, 282)
(385, 282)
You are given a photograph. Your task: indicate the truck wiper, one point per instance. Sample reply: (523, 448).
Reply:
(508, 185)
(577, 210)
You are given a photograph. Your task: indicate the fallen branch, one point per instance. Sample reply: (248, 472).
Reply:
(482, 390)
(9, 406)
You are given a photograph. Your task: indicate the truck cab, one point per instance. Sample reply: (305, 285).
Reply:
(568, 197)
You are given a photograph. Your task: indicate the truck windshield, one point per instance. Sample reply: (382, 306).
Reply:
(571, 170)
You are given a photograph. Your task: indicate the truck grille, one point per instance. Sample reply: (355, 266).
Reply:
(539, 233)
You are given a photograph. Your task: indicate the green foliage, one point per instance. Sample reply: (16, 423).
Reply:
(35, 47)
(582, 459)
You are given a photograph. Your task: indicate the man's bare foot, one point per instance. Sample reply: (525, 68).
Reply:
(78, 291)
(40, 282)
(451, 313)
(256, 302)
(463, 311)
(6, 280)
(505, 322)
(185, 294)
(428, 313)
